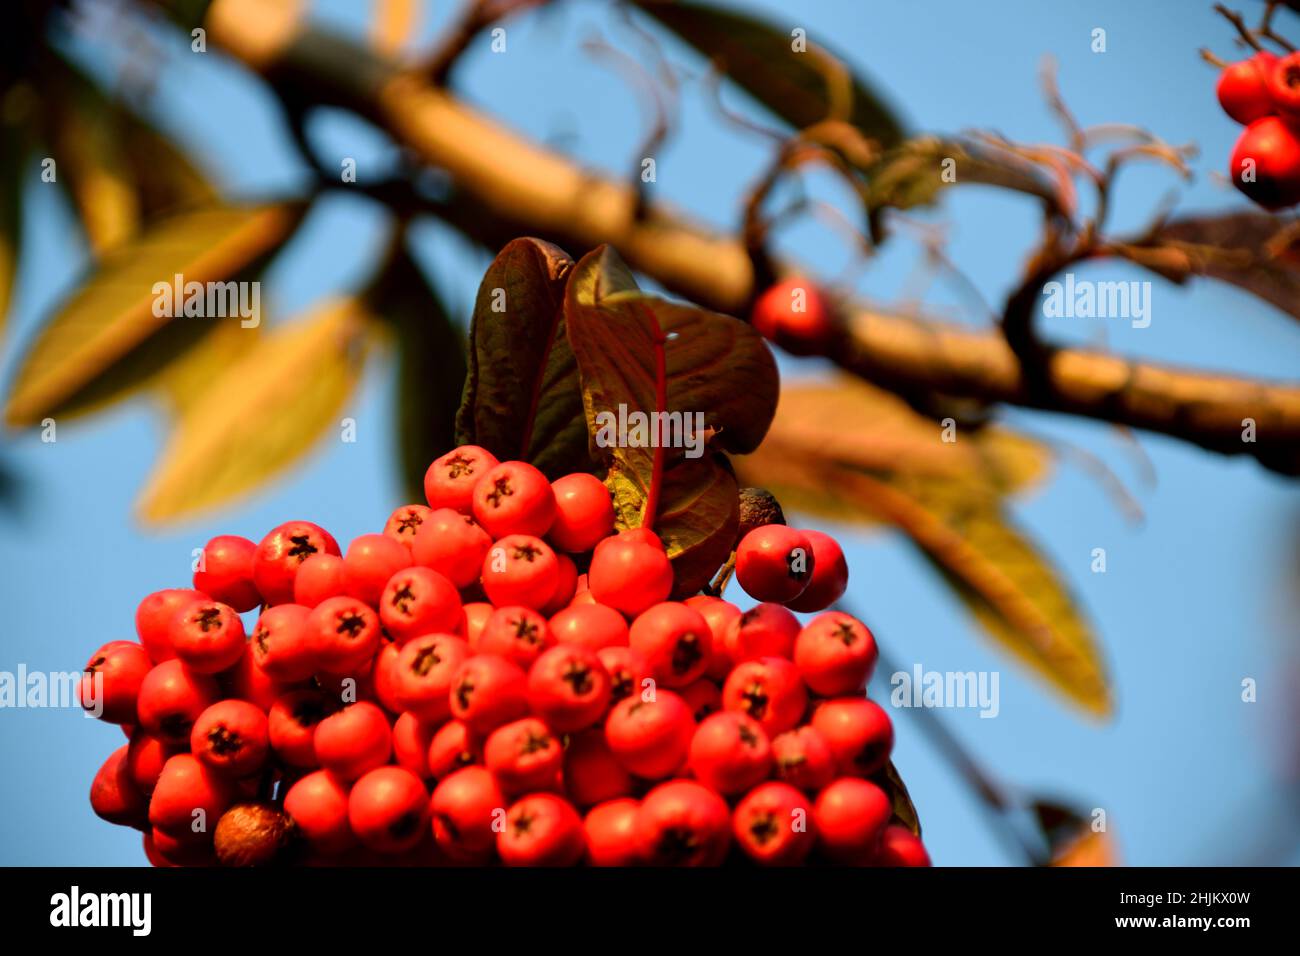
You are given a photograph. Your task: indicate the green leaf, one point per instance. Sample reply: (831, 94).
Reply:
(261, 415)
(800, 88)
(522, 397)
(105, 340)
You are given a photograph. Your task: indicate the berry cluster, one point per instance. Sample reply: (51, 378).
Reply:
(1263, 94)
(498, 676)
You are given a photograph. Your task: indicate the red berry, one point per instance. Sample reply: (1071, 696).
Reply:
(1266, 163)
(719, 614)
(592, 626)
(184, 848)
(1282, 78)
(318, 806)
(477, 614)
(231, 737)
(675, 642)
(112, 681)
(189, 797)
(281, 643)
(388, 809)
(541, 830)
(225, 572)
(650, 738)
(153, 620)
(411, 740)
(171, 699)
(835, 654)
(610, 829)
(207, 636)
(488, 691)
(115, 797)
(773, 825)
(454, 746)
(703, 698)
(248, 682)
(566, 584)
(427, 669)
(319, 578)
(830, 575)
(520, 569)
(794, 314)
(450, 480)
(514, 498)
(858, 732)
(353, 741)
(682, 823)
(524, 755)
(370, 561)
(765, 630)
(383, 677)
(592, 774)
(343, 634)
(282, 552)
(145, 757)
(899, 846)
(420, 601)
(730, 753)
(584, 513)
(628, 671)
(629, 575)
(774, 563)
(405, 522)
(770, 691)
(804, 759)
(453, 544)
(518, 634)
(850, 816)
(568, 688)
(1243, 88)
(291, 726)
(467, 809)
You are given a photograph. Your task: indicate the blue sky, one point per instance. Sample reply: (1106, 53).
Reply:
(1194, 600)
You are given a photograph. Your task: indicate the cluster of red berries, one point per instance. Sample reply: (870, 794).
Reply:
(498, 676)
(1263, 94)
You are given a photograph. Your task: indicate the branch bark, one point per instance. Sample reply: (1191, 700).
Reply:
(505, 185)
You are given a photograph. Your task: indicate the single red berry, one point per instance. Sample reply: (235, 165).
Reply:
(773, 825)
(343, 633)
(453, 544)
(681, 823)
(318, 806)
(291, 726)
(450, 480)
(610, 828)
(1266, 163)
(427, 669)
(774, 562)
(171, 698)
(592, 626)
(592, 774)
(453, 746)
(629, 575)
(794, 314)
(718, 614)
(568, 688)
(674, 640)
(383, 676)
(525, 755)
(541, 830)
(388, 810)
(282, 552)
(353, 741)
(411, 739)
(319, 578)
(189, 797)
(207, 636)
(477, 614)
(628, 671)
(859, 733)
(639, 536)
(584, 513)
(488, 691)
(115, 797)
(520, 569)
(765, 630)
(850, 816)
(899, 846)
(153, 620)
(248, 682)
(369, 563)
(830, 575)
(804, 759)
(184, 848)
(566, 585)
(514, 498)
(468, 808)
(703, 698)
(405, 522)
(231, 737)
(518, 634)
(152, 853)
(730, 753)
(420, 601)
(1243, 88)
(225, 572)
(112, 681)
(145, 757)
(770, 691)
(650, 737)
(281, 644)
(1282, 78)
(835, 654)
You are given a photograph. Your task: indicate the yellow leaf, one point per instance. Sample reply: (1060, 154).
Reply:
(112, 313)
(189, 376)
(265, 411)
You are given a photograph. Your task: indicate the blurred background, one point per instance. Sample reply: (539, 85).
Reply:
(1198, 594)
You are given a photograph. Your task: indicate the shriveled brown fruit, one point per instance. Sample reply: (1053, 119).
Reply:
(758, 507)
(252, 834)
